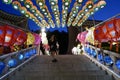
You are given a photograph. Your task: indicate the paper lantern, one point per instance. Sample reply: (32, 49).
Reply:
(23, 10)
(22, 0)
(33, 9)
(2, 66)
(108, 60)
(12, 63)
(7, 1)
(2, 35)
(109, 29)
(9, 33)
(26, 55)
(101, 3)
(99, 31)
(20, 56)
(79, 1)
(16, 5)
(40, 2)
(22, 37)
(89, 5)
(100, 57)
(30, 39)
(118, 64)
(90, 36)
(93, 53)
(14, 38)
(37, 39)
(28, 3)
(117, 25)
(81, 37)
(27, 14)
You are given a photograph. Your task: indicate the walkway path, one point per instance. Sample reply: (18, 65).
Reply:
(68, 67)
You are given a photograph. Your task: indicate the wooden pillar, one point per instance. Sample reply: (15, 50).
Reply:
(111, 45)
(117, 46)
(72, 33)
(100, 44)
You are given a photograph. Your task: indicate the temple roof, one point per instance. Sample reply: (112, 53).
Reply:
(19, 21)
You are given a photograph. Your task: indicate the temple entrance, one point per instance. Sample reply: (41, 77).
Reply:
(62, 38)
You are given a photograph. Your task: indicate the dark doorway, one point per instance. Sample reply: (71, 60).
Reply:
(62, 38)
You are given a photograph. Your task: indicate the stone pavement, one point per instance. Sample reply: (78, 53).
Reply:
(68, 67)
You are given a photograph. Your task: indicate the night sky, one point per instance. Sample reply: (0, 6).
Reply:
(111, 9)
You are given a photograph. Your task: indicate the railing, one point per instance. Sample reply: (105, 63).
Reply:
(11, 62)
(107, 60)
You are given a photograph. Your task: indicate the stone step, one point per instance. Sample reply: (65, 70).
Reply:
(52, 73)
(105, 77)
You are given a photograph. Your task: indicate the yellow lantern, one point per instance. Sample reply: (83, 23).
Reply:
(30, 38)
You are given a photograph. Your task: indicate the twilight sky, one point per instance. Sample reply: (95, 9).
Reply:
(112, 8)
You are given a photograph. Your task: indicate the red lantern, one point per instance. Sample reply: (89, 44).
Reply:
(22, 36)
(16, 34)
(2, 35)
(117, 24)
(9, 32)
(111, 29)
(99, 31)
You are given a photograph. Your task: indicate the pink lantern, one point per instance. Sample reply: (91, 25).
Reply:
(22, 37)
(37, 39)
(81, 36)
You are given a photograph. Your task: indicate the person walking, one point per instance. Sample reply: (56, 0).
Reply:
(53, 47)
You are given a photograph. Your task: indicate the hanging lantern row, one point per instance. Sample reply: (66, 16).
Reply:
(29, 5)
(83, 20)
(82, 16)
(45, 23)
(96, 7)
(23, 10)
(45, 11)
(35, 11)
(65, 6)
(74, 11)
(55, 10)
(89, 5)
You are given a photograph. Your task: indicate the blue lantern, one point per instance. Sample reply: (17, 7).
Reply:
(20, 57)
(93, 53)
(12, 63)
(34, 51)
(85, 48)
(118, 64)
(100, 57)
(31, 52)
(89, 51)
(27, 55)
(2, 66)
(108, 60)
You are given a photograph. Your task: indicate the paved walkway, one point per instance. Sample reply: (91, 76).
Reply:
(68, 67)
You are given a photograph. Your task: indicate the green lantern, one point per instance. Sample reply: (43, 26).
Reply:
(23, 10)
(28, 4)
(7, 1)
(16, 5)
